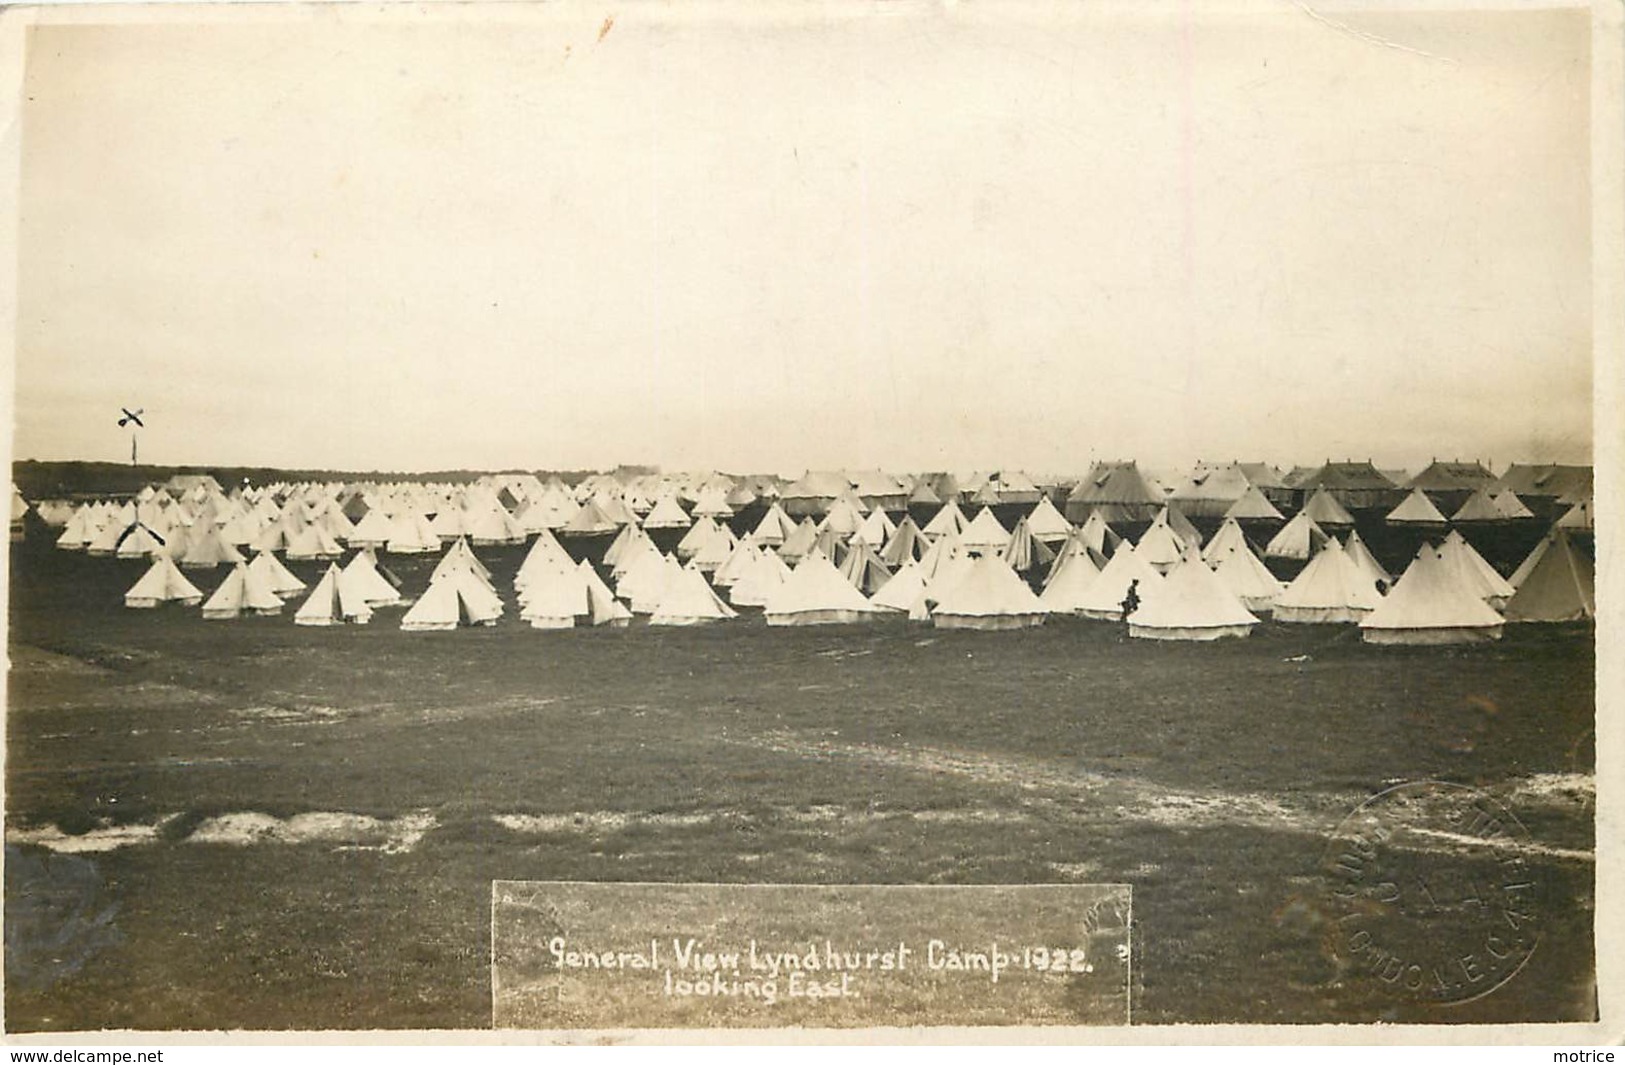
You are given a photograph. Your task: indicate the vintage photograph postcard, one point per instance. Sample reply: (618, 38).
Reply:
(811, 521)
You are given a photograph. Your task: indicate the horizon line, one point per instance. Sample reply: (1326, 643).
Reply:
(659, 469)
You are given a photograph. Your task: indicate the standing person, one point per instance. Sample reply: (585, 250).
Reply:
(1131, 601)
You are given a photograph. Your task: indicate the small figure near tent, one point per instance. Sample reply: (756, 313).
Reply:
(1131, 601)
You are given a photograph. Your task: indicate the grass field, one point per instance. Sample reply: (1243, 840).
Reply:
(313, 817)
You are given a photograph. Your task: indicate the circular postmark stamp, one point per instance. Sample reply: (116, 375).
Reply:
(1432, 893)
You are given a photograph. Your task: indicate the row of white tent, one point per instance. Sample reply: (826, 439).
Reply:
(1416, 509)
(211, 535)
(219, 531)
(217, 537)
(1238, 489)
(1165, 586)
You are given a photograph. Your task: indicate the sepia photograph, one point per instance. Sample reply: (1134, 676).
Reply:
(834, 520)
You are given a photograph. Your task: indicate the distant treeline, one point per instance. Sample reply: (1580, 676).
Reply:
(51, 480)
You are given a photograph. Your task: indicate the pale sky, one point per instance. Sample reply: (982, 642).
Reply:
(911, 237)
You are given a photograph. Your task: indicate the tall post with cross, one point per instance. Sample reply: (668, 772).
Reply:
(132, 418)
